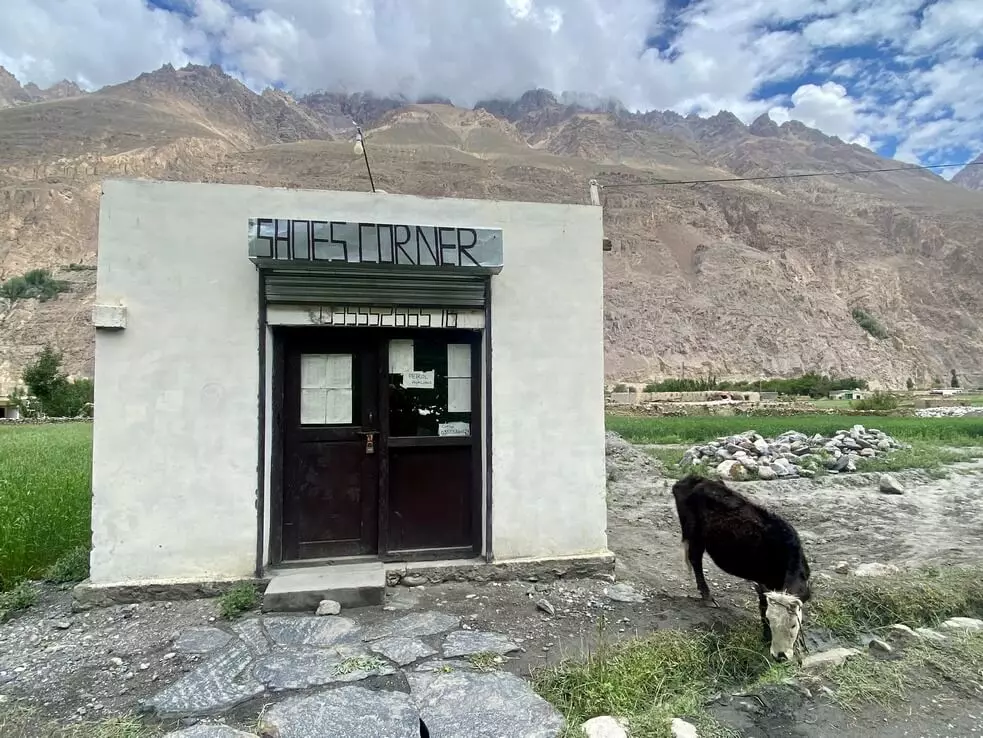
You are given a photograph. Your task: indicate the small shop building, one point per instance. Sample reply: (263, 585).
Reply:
(293, 379)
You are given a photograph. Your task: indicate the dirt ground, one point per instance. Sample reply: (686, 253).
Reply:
(73, 666)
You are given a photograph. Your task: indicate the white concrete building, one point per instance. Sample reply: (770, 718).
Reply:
(290, 378)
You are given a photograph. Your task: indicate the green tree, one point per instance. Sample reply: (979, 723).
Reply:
(50, 392)
(954, 381)
(910, 384)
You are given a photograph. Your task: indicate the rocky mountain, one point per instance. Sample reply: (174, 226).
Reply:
(971, 177)
(12, 93)
(747, 279)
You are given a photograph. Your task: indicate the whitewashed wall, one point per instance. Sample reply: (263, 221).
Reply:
(175, 450)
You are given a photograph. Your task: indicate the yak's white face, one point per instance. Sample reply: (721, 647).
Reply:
(784, 614)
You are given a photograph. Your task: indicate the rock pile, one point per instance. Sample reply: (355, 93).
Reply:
(954, 411)
(792, 454)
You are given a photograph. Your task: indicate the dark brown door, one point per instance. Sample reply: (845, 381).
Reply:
(431, 485)
(330, 443)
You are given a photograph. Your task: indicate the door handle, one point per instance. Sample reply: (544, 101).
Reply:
(369, 441)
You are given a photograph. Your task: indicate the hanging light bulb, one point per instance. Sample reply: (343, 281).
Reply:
(359, 149)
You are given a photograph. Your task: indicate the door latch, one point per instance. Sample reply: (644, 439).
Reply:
(369, 441)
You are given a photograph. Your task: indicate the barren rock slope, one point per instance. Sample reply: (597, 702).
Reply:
(751, 278)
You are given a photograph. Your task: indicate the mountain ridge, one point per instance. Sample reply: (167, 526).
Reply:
(747, 279)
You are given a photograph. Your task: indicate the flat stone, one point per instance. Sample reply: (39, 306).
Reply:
(932, 635)
(328, 607)
(482, 705)
(209, 731)
(436, 665)
(904, 630)
(766, 473)
(876, 644)
(311, 630)
(217, 685)
(402, 650)
(352, 712)
(253, 636)
(832, 657)
(604, 726)
(623, 593)
(350, 585)
(471, 642)
(203, 639)
(301, 668)
(413, 626)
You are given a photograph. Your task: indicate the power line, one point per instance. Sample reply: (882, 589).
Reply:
(666, 182)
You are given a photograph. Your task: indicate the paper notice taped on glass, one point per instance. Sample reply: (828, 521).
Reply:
(339, 371)
(313, 406)
(459, 395)
(338, 409)
(454, 429)
(458, 360)
(418, 380)
(313, 371)
(400, 355)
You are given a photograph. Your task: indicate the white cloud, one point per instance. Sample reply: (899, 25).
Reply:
(721, 54)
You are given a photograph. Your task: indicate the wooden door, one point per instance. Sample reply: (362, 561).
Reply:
(330, 468)
(431, 486)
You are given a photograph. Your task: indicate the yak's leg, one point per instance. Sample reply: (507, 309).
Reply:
(763, 606)
(694, 554)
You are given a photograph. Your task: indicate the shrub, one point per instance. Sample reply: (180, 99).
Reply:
(50, 392)
(241, 598)
(36, 284)
(19, 598)
(73, 566)
(869, 323)
(620, 387)
(877, 401)
(910, 384)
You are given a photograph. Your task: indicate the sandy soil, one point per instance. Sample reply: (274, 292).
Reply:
(71, 666)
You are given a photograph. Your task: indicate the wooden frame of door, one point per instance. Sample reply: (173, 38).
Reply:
(478, 524)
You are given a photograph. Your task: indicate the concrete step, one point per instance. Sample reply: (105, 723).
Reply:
(351, 585)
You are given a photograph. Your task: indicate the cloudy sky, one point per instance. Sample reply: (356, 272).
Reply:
(904, 77)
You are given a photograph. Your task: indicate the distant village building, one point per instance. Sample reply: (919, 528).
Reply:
(289, 378)
(852, 394)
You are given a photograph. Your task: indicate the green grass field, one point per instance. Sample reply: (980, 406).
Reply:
(45, 497)
(966, 431)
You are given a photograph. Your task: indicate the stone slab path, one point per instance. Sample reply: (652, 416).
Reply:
(418, 675)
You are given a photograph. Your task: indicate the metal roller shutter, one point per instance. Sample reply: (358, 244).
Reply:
(375, 286)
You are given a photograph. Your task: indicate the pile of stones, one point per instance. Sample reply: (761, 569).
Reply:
(792, 454)
(952, 411)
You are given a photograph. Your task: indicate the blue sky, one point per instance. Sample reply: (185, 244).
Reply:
(903, 77)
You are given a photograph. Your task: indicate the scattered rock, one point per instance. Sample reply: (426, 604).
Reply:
(604, 726)
(201, 640)
(413, 580)
(682, 729)
(955, 411)
(902, 629)
(497, 704)
(875, 570)
(832, 657)
(546, 606)
(353, 712)
(61, 624)
(932, 635)
(471, 642)
(766, 473)
(876, 644)
(842, 567)
(972, 624)
(402, 650)
(328, 607)
(890, 486)
(623, 593)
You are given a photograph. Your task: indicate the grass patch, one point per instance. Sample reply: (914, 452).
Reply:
(23, 722)
(239, 599)
(965, 431)
(19, 598)
(73, 566)
(869, 323)
(36, 284)
(359, 663)
(485, 660)
(674, 673)
(921, 455)
(669, 457)
(45, 497)
(926, 597)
